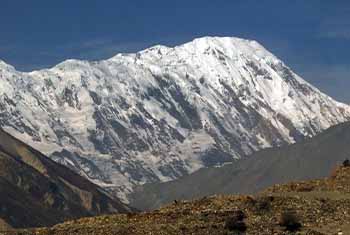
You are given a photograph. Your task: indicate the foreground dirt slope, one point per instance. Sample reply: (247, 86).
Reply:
(320, 207)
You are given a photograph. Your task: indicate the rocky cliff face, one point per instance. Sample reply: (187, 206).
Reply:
(163, 112)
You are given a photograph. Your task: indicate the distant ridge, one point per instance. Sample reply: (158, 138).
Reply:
(310, 159)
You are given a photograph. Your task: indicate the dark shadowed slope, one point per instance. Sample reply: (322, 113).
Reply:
(312, 158)
(35, 191)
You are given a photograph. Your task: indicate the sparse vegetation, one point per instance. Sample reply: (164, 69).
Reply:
(290, 221)
(236, 222)
(263, 204)
(346, 163)
(328, 204)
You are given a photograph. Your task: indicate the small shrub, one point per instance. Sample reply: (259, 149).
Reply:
(239, 215)
(290, 221)
(249, 201)
(327, 207)
(232, 225)
(346, 163)
(235, 222)
(263, 204)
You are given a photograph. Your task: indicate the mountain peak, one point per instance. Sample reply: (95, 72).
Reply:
(72, 64)
(212, 40)
(3, 64)
(230, 46)
(164, 112)
(158, 48)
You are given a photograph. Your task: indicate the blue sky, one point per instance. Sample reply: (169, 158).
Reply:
(311, 36)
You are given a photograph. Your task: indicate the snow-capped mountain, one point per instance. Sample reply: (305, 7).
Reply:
(163, 112)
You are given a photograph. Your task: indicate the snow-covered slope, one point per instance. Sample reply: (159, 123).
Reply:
(163, 112)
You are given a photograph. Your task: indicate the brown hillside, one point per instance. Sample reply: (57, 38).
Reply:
(318, 207)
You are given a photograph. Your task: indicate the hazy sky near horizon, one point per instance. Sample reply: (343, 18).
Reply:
(311, 36)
